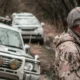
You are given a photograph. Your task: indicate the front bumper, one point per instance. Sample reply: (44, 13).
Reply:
(31, 76)
(8, 76)
(27, 76)
(32, 36)
(19, 74)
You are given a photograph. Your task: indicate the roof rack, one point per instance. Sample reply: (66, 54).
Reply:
(5, 20)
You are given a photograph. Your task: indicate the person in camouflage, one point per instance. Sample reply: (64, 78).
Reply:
(67, 52)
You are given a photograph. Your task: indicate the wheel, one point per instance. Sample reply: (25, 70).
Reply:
(41, 41)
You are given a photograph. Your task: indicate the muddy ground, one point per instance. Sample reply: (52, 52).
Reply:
(46, 53)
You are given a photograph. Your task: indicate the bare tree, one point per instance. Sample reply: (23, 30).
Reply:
(54, 10)
(57, 10)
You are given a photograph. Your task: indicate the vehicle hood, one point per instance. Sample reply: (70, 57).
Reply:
(14, 51)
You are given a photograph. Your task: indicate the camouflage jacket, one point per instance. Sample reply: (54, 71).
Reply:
(67, 57)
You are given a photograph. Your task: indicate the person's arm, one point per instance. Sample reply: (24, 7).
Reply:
(66, 58)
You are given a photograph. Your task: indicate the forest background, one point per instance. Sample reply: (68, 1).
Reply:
(50, 11)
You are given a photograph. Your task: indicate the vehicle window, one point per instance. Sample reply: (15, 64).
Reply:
(10, 38)
(26, 21)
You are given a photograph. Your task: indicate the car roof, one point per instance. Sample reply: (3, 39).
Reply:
(9, 27)
(22, 14)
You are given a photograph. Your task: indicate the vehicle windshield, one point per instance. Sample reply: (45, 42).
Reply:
(26, 21)
(10, 38)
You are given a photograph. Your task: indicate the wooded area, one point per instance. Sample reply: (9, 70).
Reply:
(53, 11)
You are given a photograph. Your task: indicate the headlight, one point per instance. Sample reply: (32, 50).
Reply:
(14, 64)
(28, 66)
(39, 30)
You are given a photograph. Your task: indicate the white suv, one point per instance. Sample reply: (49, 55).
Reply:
(30, 26)
(15, 62)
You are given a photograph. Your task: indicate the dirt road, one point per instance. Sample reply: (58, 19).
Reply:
(46, 53)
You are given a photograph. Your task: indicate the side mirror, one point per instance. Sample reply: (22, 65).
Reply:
(42, 23)
(27, 48)
(36, 57)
